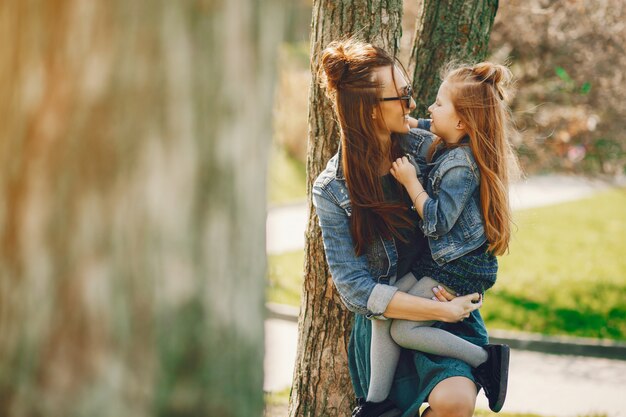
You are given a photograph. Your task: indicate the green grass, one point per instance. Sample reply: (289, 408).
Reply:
(566, 271)
(278, 397)
(565, 274)
(286, 177)
(285, 277)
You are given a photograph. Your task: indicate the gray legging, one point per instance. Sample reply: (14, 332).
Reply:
(388, 336)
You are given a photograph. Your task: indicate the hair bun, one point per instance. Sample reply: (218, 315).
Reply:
(495, 74)
(335, 64)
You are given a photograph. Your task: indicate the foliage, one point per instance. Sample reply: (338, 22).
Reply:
(568, 59)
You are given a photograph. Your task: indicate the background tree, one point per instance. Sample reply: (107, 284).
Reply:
(132, 150)
(321, 385)
(447, 30)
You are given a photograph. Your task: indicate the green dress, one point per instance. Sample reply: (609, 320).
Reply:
(417, 373)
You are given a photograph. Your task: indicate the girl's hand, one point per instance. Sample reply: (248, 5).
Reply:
(403, 171)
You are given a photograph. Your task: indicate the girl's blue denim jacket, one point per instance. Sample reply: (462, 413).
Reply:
(363, 282)
(453, 222)
(452, 216)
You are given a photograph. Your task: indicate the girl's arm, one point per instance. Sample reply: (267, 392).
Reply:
(405, 173)
(457, 183)
(419, 123)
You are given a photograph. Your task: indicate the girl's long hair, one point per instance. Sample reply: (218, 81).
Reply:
(478, 94)
(347, 72)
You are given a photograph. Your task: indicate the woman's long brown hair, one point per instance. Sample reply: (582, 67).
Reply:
(347, 71)
(478, 94)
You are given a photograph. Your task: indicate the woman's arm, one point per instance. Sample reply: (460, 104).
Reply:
(358, 290)
(350, 273)
(409, 307)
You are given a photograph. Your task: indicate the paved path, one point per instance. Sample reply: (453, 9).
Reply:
(286, 224)
(544, 384)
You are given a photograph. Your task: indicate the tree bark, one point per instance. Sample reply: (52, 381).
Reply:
(133, 149)
(447, 30)
(321, 385)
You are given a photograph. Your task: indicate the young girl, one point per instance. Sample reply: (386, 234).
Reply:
(464, 211)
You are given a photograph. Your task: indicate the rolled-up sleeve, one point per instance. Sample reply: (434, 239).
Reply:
(355, 285)
(379, 300)
(441, 211)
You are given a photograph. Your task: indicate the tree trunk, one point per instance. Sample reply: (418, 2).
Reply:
(321, 385)
(133, 149)
(447, 30)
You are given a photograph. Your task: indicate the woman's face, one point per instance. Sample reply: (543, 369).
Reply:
(393, 116)
(445, 121)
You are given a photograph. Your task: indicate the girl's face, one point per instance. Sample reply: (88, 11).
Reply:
(396, 102)
(445, 121)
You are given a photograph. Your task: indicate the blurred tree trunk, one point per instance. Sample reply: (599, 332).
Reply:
(321, 385)
(447, 30)
(133, 149)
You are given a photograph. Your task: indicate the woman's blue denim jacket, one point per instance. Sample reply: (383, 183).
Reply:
(452, 217)
(364, 283)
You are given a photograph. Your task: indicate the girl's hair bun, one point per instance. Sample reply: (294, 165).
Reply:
(495, 74)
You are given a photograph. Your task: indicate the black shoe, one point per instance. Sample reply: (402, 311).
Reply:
(493, 375)
(370, 409)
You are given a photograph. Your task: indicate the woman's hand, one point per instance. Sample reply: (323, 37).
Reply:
(441, 294)
(459, 308)
(404, 172)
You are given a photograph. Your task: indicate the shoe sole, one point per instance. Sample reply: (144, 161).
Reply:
(504, 378)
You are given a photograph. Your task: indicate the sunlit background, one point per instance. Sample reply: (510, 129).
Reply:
(134, 138)
(566, 271)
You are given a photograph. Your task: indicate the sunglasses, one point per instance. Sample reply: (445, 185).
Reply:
(405, 98)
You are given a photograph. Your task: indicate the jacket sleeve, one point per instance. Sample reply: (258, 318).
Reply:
(456, 184)
(357, 289)
(423, 124)
(415, 145)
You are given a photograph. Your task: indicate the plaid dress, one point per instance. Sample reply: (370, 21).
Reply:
(473, 272)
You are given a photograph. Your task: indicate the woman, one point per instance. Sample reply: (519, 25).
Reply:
(370, 236)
